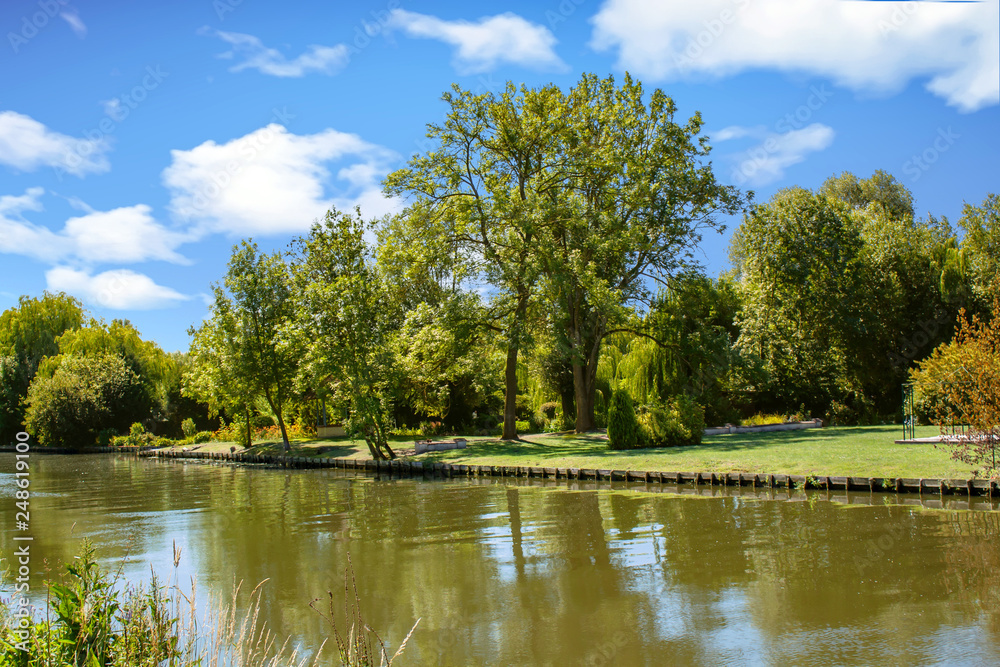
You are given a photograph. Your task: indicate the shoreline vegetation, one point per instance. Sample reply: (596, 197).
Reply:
(92, 616)
(844, 451)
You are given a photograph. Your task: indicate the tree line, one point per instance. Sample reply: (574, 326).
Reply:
(545, 259)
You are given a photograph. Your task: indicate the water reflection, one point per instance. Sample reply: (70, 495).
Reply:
(515, 574)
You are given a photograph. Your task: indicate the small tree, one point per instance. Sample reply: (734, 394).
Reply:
(965, 375)
(623, 427)
(345, 311)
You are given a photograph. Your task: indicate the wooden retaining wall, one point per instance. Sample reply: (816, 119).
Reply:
(965, 487)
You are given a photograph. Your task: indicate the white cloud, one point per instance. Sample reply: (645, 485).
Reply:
(481, 46)
(271, 181)
(20, 237)
(766, 162)
(120, 289)
(869, 46)
(72, 17)
(123, 235)
(735, 132)
(26, 144)
(126, 235)
(254, 55)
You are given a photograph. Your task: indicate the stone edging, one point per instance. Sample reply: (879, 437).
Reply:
(969, 487)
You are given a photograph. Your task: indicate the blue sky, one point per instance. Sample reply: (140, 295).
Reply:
(139, 141)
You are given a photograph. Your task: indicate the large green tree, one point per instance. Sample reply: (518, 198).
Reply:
(28, 334)
(636, 193)
(596, 191)
(346, 314)
(843, 290)
(483, 190)
(247, 334)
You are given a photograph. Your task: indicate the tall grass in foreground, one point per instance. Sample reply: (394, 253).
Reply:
(92, 620)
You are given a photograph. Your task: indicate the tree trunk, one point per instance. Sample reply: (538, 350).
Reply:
(510, 395)
(585, 393)
(585, 381)
(276, 409)
(568, 406)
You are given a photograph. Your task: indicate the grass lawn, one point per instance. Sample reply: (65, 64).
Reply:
(856, 451)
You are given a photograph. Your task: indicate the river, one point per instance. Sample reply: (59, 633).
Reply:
(519, 573)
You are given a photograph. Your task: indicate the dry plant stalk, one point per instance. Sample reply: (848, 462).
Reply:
(362, 647)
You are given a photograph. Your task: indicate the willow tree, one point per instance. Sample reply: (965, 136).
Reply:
(28, 334)
(594, 192)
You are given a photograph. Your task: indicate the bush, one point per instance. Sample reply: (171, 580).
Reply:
(524, 426)
(680, 422)
(188, 428)
(431, 429)
(549, 409)
(202, 437)
(85, 395)
(761, 419)
(623, 428)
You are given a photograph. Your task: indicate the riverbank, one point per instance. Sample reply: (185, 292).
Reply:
(832, 451)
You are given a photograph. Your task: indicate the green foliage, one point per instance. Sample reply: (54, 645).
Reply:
(842, 290)
(84, 396)
(681, 421)
(28, 334)
(345, 311)
(690, 349)
(549, 409)
(981, 242)
(247, 349)
(623, 427)
(188, 428)
(202, 437)
(91, 624)
(586, 193)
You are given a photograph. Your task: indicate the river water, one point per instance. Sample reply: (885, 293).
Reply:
(504, 573)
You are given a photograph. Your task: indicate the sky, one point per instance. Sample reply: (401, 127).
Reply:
(139, 141)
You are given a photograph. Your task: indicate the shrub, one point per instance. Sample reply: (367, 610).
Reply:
(549, 409)
(680, 422)
(524, 426)
(85, 396)
(623, 428)
(431, 429)
(202, 437)
(188, 428)
(761, 419)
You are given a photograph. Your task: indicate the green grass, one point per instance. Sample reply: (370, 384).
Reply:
(858, 451)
